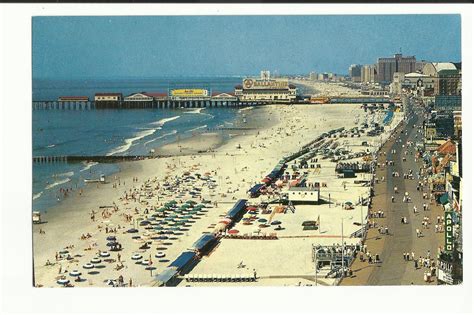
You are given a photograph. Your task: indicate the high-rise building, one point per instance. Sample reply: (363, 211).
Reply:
(313, 76)
(445, 76)
(265, 75)
(386, 67)
(368, 73)
(355, 73)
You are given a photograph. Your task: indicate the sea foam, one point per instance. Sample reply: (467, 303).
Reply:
(129, 142)
(162, 136)
(57, 183)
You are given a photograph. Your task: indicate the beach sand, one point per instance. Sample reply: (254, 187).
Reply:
(274, 131)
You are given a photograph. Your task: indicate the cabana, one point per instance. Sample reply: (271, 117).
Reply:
(204, 243)
(237, 209)
(254, 192)
(184, 261)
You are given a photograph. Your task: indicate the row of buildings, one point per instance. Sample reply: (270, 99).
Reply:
(435, 78)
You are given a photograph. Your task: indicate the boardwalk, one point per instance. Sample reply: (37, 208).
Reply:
(394, 270)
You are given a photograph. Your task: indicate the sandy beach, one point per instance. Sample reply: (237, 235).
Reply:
(235, 160)
(318, 88)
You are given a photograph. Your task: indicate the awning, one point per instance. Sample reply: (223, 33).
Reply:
(255, 189)
(237, 208)
(166, 275)
(183, 260)
(203, 241)
(444, 199)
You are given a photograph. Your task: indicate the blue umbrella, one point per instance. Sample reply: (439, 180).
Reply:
(111, 238)
(276, 222)
(111, 244)
(262, 220)
(132, 231)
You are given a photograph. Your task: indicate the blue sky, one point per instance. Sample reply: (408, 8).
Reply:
(77, 47)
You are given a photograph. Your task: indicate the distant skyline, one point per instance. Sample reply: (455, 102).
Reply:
(135, 46)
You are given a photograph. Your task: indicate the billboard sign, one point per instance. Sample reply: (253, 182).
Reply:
(189, 93)
(448, 232)
(265, 84)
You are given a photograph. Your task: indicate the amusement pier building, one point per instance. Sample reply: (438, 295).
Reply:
(266, 89)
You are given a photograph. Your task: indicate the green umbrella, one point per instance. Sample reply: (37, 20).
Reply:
(158, 228)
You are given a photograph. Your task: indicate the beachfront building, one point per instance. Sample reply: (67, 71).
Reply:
(307, 194)
(446, 77)
(138, 97)
(108, 97)
(386, 67)
(107, 100)
(266, 89)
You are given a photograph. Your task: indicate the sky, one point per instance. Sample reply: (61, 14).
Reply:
(114, 47)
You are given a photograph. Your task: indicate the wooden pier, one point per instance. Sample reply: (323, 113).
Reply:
(156, 104)
(89, 158)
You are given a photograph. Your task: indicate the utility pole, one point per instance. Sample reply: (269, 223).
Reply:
(342, 255)
(315, 259)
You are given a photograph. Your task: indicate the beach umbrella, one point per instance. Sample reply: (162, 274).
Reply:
(63, 281)
(132, 231)
(174, 228)
(96, 260)
(149, 227)
(63, 252)
(88, 266)
(191, 202)
(160, 255)
(276, 222)
(75, 273)
(143, 223)
(233, 231)
(136, 257)
(262, 220)
(251, 208)
(111, 238)
(109, 244)
(263, 225)
(158, 228)
(104, 254)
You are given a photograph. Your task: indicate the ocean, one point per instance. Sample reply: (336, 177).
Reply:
(111, 132)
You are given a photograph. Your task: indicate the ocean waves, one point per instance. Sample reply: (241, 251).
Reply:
(163, 121)
(36, 196)
(197, 128)
(162, 136)
(129, 142)
(60, 182)
(88, 166)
